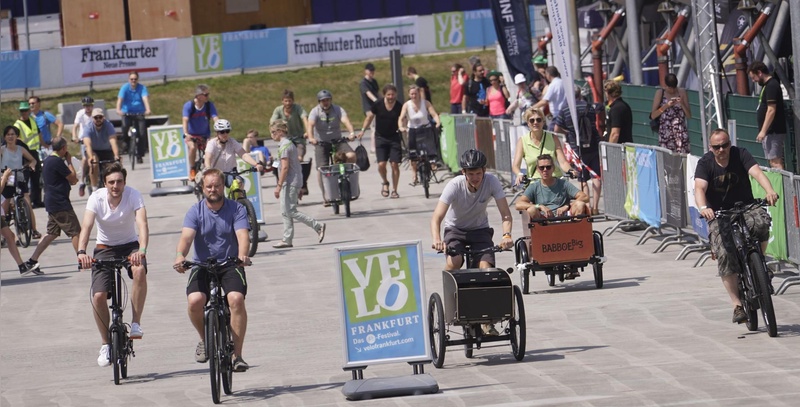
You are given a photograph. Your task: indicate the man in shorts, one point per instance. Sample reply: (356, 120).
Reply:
(59, 176)
(83, 119)
(722, 179)
(771, 114)
(325, 123)
(198, 114)
(100, 140)
(218, 228)
(386, 113)
(122, 231)
(550, 197)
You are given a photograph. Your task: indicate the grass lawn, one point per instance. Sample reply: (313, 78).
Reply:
(248, 100)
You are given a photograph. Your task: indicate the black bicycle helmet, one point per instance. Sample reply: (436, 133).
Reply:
(473, 159)
(324, 94)
(87, 100)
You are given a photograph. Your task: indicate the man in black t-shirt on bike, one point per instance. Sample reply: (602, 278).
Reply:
(722, 179)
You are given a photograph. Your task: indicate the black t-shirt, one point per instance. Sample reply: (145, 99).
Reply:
(771, 93)
(422, 83)
(56, 186)
(620, 115)
(471, 90)
(728, 185)
(365, 86)
(564, 120)
(386, 120)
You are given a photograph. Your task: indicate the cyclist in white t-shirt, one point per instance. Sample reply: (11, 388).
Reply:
(122, 231)
(221, 151)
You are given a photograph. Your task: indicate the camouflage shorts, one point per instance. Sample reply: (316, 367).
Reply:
(758, 223)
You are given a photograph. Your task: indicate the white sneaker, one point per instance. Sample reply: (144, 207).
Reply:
(136, 331)
(103, 359)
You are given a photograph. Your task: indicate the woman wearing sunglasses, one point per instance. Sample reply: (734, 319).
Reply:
(537, 142)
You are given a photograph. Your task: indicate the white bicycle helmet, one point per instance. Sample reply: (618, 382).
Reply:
(222, 125)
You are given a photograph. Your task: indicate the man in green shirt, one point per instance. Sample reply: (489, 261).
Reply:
(552, 196)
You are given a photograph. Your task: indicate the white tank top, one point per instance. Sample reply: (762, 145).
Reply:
(417, 118)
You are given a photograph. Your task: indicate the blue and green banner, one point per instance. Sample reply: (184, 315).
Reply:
(647, 183)
(168, 153)
(776, 248)
(20, 70)
(382, 297)
(239, 50)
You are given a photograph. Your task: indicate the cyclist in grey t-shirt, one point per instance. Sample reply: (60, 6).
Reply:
(462, 207)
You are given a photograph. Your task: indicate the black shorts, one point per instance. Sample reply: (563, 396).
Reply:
(592, 160)
(102, 279)
(10, 190)
(388, 150)
(104, 155)
(478, 239)
(234, 280)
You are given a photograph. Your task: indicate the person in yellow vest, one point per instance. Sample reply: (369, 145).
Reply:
(29, 134)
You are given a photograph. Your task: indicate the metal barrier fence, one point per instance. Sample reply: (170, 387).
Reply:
(484, 140)
(614, 189)
(793, 219)
(465, 132)
(502, 151)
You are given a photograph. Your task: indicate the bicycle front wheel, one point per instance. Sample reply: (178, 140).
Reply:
(212, 352)
(132, 149)
(425, 177)
(22, 214)
(346, 198)
(253, 223)
(116, 353)
(756, 262)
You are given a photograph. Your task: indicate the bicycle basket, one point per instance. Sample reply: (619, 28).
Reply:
(330, 181)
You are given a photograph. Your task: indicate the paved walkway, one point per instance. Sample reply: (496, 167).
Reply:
(658, 333)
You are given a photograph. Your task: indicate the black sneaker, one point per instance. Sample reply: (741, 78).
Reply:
(239, 365)
(24, 270)
(33, 266)
(139, 160)
(739, 316)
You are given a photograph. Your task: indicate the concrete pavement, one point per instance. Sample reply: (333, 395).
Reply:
(658, 333)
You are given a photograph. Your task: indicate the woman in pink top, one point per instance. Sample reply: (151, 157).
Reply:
(497, 95)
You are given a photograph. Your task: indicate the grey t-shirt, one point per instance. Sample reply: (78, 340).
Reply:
(553, 197)
(467, 209)
(100, 136)
(287, 150)
(328, 125)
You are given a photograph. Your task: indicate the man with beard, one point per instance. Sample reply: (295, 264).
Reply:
(219, 229)
(771, 114)
(386, 113)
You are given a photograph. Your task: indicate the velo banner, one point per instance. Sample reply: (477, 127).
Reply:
(513, 34)
(383, 303)
(776, 247)
(167, 153)
(647, 183)
(632, 195)
(252, 185)
(699, 225)
(84, 63)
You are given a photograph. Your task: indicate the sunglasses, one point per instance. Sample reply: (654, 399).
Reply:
(545, 167)
(98, 117)
(536, 120)
(204, 94)
(720, 146)
(133, 79)
(223, 131)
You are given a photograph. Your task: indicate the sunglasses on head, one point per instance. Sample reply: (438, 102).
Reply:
(223, 131)
(535, 120)
(545, 167)
(721, 146)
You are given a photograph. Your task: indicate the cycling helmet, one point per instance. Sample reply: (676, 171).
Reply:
(221, 125)
(324, 94)
(472, 159)
(87, 100)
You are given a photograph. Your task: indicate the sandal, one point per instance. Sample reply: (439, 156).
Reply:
(413, 184)
(385, 189)
(36, 235)
(395, 195)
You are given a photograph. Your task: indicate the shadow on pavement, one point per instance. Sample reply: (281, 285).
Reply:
(589, 285)
(533, 355)
(265, 393)
(28, 280)
(149, 377)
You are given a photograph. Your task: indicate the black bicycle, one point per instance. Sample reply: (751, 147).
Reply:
(199, 164)
(237, 193)
(121, 343)
(218, 334)
(20, 214)
(425, 171)
(343, 173)
(101, 177)
(133, 136)
(755, 288)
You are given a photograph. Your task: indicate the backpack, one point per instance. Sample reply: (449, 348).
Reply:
(206, 109)
(585, 128)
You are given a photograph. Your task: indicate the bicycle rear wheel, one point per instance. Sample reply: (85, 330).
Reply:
(22, 215)
(761, 280)
(116, 353)
(213, 340)
(253, 223)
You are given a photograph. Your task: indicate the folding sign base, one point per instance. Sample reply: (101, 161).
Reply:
(176, 190)
(365, 389)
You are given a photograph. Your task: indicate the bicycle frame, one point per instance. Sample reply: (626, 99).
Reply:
(121, 343)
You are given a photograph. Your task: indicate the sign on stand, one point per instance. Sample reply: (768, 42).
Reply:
(384, 315)
(252, 185)
(169, 159)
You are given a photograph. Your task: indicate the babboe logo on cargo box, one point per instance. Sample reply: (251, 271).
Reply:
(207, 52)
(449, 30)
(377, 284)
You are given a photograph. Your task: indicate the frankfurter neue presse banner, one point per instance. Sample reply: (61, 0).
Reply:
(352, 40)
(85, 63)
(513, 34)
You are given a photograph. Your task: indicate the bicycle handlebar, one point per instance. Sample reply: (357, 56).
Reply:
(333, 141)
(212, 265)
(234, 172)
(740, 208)
(112, 264)
(452, 251)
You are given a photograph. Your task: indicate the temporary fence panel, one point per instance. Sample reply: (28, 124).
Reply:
(484, 140)
(502, 151)
(614, 190)
(776, 248)
(465, 132)
(447, 141)
(791, 191)
(648, 185)
(699, 224)
(673, 197)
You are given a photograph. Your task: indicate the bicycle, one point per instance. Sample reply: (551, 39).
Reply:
(121, 343)
(199, 164)
(101, 178)
(425, 171)
(755, 288)
(133, 136)
(474, 297)
(344, 184)
(19, 211)
(217, 318)
(237, 193)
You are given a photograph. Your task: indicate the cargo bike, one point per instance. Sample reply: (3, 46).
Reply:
(560, 247)
(473, 297)
(340, 185)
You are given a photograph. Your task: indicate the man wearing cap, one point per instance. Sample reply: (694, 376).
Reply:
(29, 135)
(100, 140)
(369, 94)
(524, 99)
(555, 97)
